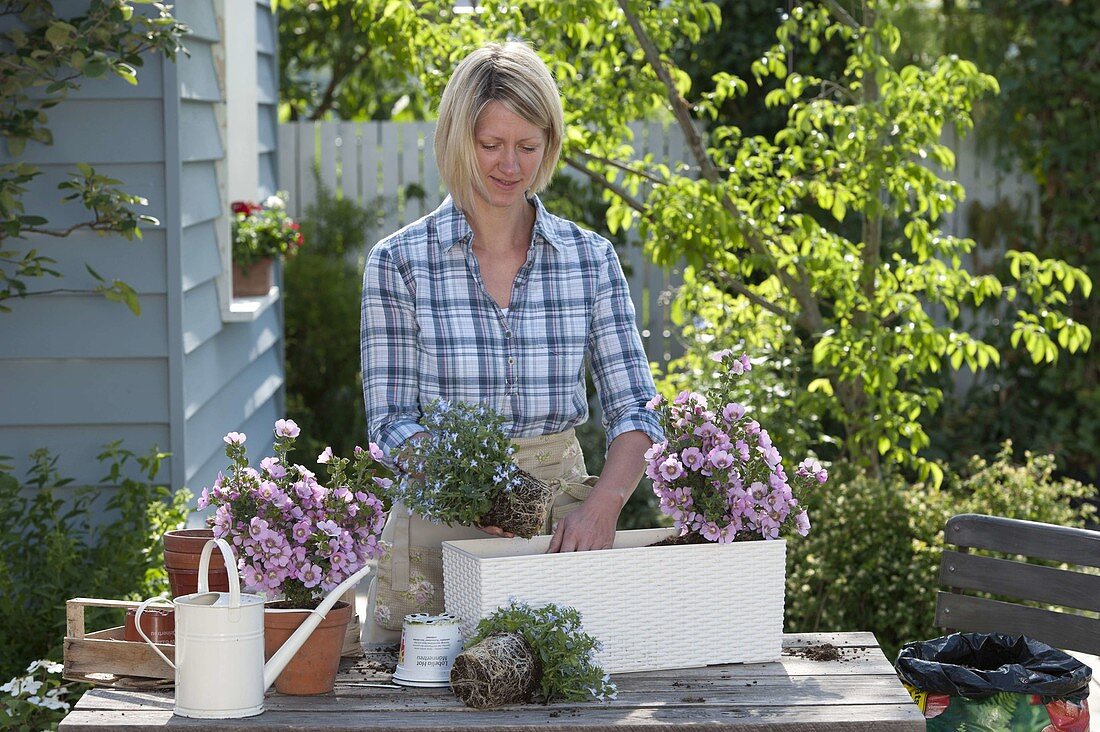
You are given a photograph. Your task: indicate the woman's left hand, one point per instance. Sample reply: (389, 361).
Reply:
(591, 525)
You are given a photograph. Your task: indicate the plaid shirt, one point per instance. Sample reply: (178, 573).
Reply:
(431, 330)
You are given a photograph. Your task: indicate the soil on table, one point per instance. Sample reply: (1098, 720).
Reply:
(819, 652)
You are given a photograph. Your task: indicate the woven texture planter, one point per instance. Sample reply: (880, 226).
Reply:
(652, 607)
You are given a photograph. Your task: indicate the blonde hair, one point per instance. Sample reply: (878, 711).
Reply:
(509, 73)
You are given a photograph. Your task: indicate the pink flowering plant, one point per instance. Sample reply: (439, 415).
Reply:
(293, 533)
(717, 474)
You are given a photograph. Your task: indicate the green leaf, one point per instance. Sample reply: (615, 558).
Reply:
(58, 34)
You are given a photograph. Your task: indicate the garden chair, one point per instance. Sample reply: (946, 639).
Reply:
(1013, 577)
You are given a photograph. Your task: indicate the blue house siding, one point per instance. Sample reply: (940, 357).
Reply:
(267, 69)
(232, 375)
(83, 371)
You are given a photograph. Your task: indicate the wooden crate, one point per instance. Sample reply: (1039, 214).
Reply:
(105, 658)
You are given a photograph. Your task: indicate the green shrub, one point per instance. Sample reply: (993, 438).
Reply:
(100, 541)
(871, 561)
(323, 290)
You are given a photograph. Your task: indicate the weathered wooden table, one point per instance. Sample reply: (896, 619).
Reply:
(811, 687)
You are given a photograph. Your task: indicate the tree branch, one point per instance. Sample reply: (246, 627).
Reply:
(626, 168)
(680, 106)
(810, 317)
(742, 289)
(841, 14)
(617, 190)
(62, 233)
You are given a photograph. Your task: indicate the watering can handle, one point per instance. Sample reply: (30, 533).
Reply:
(137, 626)
(230, 567)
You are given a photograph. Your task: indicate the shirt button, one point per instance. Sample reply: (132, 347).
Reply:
(507, 334)
(511, 361)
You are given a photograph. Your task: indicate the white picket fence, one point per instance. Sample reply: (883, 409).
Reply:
(393, 164)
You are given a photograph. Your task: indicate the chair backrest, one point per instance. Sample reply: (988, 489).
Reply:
(1014, 577)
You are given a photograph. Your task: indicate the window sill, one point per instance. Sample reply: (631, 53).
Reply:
(247, 309)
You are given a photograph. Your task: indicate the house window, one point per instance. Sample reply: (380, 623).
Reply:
(240, 171)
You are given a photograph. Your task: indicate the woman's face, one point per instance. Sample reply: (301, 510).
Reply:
(509, 152)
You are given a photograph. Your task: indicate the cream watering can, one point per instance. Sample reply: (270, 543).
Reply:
(220, 671)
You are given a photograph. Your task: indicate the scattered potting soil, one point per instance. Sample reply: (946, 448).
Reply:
(819, 652)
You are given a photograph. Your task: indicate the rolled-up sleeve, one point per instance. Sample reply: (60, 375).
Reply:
(388, 334)
(619, 365)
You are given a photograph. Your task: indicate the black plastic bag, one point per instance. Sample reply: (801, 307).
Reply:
(1001, 681)
(975, 665)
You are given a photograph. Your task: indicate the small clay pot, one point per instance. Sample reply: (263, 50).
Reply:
(182, 549)
(158, 624)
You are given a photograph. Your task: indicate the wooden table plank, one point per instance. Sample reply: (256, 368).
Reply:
(857, 689)
(779, 718)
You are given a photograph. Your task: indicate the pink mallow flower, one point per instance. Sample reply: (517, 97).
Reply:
(693, 458)
(329, 527)
(733, 412)
(273, 467)
(720, 459)
(802, 522)
(287, 428)
(325, 456)
(235, 438)
(671, 469)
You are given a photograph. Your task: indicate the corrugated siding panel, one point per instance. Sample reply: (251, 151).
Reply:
(201, 194)
(138, 263)
(199, 16)
(267, 79)
(223, 358)
(83, 326)
(252, 390)
(79, 391)
(202, 316)
(266, 35)
(44, 199)
(267, 125)
(150, 86)
(261, 441)
(199, 135)
(198, 80)
(70, 134)
(76, 446)
(201, 259)
(267, 174)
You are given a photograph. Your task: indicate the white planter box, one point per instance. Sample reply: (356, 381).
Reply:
(652, 607)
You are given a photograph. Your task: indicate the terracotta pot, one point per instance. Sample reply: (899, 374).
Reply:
(252, 280)
(158, 624)
(313, 668)
(182, 549)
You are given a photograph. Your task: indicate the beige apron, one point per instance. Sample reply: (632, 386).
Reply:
(409, 577)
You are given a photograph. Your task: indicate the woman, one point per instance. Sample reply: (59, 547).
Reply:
(492, 299)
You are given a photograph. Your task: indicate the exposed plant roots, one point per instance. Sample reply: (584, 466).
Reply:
(501, 669)
(524, 509)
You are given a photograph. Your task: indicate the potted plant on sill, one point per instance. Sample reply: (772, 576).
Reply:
(261, 234)
(298, 538)
(719, 570)
(462, 472)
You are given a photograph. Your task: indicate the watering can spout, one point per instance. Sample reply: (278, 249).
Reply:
(282, 657)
